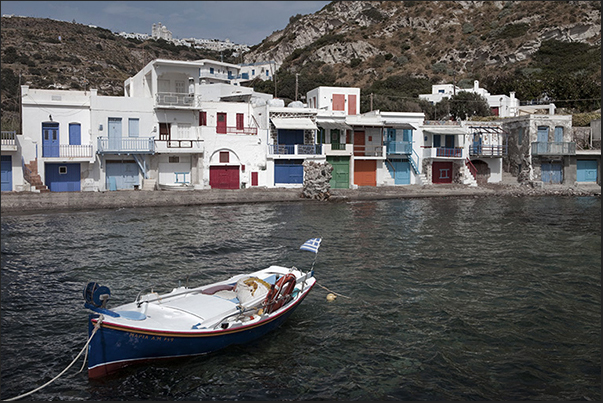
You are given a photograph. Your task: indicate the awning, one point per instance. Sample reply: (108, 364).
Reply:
(294, 123)
(444, 130)
(405, 126)
(333, 124)
(364, 121)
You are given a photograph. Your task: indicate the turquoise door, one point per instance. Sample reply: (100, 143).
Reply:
(114, 133)
(586, 170)
(401, 171)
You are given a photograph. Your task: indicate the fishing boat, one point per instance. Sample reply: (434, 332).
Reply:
(192, 321)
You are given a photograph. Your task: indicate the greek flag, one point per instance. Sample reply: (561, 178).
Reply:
(311, 245)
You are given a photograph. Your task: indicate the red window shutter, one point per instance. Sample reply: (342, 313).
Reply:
(240, 121)
(202, 118)
(351, 104)
(338, 102)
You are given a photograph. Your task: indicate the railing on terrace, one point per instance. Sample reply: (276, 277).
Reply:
(251, 131)
(546, 148)
(492, 151)
(138, 145)
(438, 152)
(295, 149)
(178, 144)
(175, 99)
(368, 151)
(399, 147)
(67, 151)
(9, 138)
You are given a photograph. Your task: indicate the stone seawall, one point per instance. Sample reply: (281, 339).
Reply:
(25, 202)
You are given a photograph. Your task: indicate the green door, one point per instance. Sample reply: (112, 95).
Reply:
(341, 172)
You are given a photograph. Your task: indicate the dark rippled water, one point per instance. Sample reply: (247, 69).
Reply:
(450, 299)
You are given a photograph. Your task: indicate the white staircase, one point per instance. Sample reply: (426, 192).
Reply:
(468, 178)
(149, 184)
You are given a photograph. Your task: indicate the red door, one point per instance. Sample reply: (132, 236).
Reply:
(221, 124)
(442, 172)
(365, 173)
(224, 177)
(359, 143)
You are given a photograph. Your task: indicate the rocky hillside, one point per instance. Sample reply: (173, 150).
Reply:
(370, 40)
(394, 49)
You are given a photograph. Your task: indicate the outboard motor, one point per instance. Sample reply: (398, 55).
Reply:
(96, 295)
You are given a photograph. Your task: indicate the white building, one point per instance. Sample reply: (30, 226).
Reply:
(500, 105)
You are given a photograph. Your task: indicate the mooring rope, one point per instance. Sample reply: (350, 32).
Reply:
(341, 295)
(96, 327)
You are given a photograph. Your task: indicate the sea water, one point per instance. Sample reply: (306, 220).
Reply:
(437, 299)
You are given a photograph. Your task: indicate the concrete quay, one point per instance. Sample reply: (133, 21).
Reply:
(28, 202)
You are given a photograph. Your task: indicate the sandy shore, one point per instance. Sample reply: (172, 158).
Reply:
(26, 202)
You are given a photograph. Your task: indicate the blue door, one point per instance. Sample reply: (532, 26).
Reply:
(114, 133)
(552, 172)
(50, 140)
(75, 134)
(586, 170)
(542, 139)
(288, 171)
(401, 172)
(7, 173)
(122, 175)
(63, 177)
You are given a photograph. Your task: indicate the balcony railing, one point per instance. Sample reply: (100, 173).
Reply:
(368, 151)
(251, 131)
(179, 145)
(67, 151)
(9, 138)
(126, 145)
(546, 148)
(175, 99)
(295, 149)
(441, 152)
(399, 147)
(488, 151)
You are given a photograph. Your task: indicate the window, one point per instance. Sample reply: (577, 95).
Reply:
(180, 86)
(174, 160)
(224, 156)
(253, 72)
(437, 140)
(202, 118)
(240, 121)
(62, 170)
(133, 127)
(211, 70)
(338, 102)
(558, 134)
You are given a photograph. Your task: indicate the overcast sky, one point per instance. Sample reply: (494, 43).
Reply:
(243, 22)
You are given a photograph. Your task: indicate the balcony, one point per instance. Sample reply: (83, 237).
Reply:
(9, 141)
(488, 151)
(294, 149)
(175, 100)
(442, 152)
(250, 131)
(546, 148)
(68, 151)
(179, 146)
(126, 145)
(372, 152)
(398, 147)
(338, 149)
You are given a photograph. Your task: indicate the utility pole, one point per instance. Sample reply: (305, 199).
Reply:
(371, 101)
(296, 85)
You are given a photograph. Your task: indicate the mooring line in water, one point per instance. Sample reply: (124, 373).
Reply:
(96, 327)
(341, 295)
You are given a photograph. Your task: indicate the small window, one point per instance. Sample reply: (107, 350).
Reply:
(211, 70)
(133, 127)
(174, 160)
(202, 118)
(62, 170)
(224, 156)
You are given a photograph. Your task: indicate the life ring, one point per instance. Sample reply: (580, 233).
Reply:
(280, 293)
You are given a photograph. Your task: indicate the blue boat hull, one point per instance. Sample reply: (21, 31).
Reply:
(114, 347)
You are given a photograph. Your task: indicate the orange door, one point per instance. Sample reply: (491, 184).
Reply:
(359, 143)
(365, 173)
